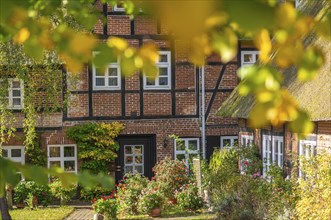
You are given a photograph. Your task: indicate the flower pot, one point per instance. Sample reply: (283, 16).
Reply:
(97, 216)
(156, 212)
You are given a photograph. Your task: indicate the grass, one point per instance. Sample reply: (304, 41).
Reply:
(175, 213)
(58, 213)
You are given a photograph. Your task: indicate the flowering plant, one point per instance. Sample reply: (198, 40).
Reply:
(106, 206)
(171, 175)
(24, 188)
(61, 192)
(188, 197)
(128, 192)
(150, 198)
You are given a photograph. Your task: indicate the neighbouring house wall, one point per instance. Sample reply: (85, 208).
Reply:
(323, 134)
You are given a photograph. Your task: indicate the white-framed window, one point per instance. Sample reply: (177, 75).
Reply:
(64, 156)
(134, 159)
(14, 153)
(273, 151)
(15, 94)
(163, 78)
(119, 6)
(247, 140)
(248, 58)
(108, 78)
(307, 148)
(186, 149)
(229, 141)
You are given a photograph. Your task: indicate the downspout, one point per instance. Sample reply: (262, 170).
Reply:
(203, 120)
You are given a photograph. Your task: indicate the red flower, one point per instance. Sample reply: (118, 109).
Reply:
(246, 162)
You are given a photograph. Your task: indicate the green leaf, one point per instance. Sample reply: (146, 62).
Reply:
(33, 49)
(310, 63)
(302, 124)
(250, 15)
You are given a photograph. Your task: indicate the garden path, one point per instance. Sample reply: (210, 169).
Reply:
(81, 214)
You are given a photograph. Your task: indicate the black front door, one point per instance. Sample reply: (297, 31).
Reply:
(137, 154)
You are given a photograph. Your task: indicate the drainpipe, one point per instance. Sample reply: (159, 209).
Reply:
(203, 121)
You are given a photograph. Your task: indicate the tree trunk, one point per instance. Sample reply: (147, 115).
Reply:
(4, 209)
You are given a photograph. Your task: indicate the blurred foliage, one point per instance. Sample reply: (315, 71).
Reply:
(96, 144)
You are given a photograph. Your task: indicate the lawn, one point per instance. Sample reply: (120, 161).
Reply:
(58, 213)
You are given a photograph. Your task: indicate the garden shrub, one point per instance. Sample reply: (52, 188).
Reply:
(106, 206)
(64, 194)
(128, 192)
(150, 198)
(188, 197)
(89, 193)
(171, 175)
(313, 188)
(24, 188)
(246, 195)
(96, 144)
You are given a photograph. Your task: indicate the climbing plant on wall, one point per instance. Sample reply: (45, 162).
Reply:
(96, 144)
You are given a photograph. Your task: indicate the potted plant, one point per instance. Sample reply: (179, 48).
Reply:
(151, 200)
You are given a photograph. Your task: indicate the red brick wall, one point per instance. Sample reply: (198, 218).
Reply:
(185, 77)
(185, 103)
(118, 25)
(78, 105)
(324, 134)
(106, 104)
(157, 103)
(132, 104)
(145, 25)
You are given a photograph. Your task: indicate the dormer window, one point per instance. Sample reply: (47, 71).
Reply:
(248, 58)
(119, 6)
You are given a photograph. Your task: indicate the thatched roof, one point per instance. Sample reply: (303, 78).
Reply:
(313, 96)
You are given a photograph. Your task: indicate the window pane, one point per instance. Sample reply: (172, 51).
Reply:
(163, 71)
(16, 93)
(55, 164)
(276, 146)
(226, 142)
(128, 160)
(180, 145)
(69, 151)
(112, 71)
(16, 153)
(248, 57)
(235, 142)
(139, 169)
(16, 84)
(112, 82)
(54, 151)
(69, 165)
(128, 169)
(163, 81)
(100, 82)
(150, 82)
(192, 145)
(128, 149)
(138, 150)
(4, 152)
(180, 156)
(163, 58)
(138, 160)
(16, 101)
(100, 72)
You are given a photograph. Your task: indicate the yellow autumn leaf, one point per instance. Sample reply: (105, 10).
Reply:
(263, 43)
(200, 49)
(149, 52)
(82, 43)
(118, 43)
(285, 15)
(218, 19)
(22, 35)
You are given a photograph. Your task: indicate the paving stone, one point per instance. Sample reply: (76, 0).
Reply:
(81, 214)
